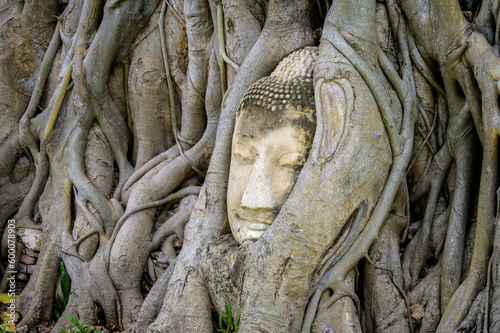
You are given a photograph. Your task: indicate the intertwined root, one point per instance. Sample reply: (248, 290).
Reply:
(105, 248)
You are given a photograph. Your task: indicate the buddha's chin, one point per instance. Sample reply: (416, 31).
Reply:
(244, 230)
(251, 235)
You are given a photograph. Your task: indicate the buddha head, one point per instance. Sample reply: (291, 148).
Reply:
(274, 131)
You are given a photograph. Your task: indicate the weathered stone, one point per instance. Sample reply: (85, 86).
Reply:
(270, 131)
(22, 268)
(30, 269)
(28, 260)
(30, 252)
(294, 73)
(31, 238)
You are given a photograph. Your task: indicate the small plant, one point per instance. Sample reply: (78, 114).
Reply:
(62, 301)
(6, 328)
(8, 321)
(80, 328)
(231, 326)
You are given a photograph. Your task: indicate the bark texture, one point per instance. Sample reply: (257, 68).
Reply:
(115, 149)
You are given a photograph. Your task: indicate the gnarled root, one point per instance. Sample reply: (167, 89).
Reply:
(384, 304)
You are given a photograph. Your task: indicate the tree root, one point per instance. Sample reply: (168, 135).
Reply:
(174, 225)
(480, 52)
(455, 237)
(340, 289)
(440, 164)
(191, 190)
(495, 301)
(41, 174)
(153, 302)
(417, 253)
(93, 287)
(167, 156)
(428, 291)
(58, 102)
(160, 181)
(220, 38)
(473, 322)
(401, 145)
(385, 300)
(25, 136)
(173, 117)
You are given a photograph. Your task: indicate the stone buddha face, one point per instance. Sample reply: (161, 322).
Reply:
(274, 130)
(268, 151)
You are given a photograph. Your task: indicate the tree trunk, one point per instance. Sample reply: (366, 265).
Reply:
(123, 121)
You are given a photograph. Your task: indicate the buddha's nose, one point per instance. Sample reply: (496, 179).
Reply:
(259, 192)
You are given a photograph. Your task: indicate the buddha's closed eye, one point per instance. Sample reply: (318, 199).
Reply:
(292, 160)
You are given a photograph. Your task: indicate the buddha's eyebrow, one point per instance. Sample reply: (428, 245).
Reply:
(244, 135)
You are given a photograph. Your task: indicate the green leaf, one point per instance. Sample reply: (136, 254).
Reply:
(59, 301)
(64, 287)
(61, 266)
(56, 312)
(233, 322)
(221, 327)
(237, 321)
(80, 327)
(72, 319)
(230, 316)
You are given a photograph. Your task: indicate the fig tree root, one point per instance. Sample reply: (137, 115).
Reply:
(133, 107)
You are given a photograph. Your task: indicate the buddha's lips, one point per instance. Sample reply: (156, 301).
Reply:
(256, 220)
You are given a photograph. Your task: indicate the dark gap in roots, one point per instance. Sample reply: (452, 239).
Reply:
(317, 20)
(73, 208)
(435, 69)
(470, 6)
(429, 265)
(460, 91)
(156, 222)
(131, 150)
(215, 320)
(61, 6)
(406, 242)
(416, 325)
(418, 208)
(445, 193)
(99, 315)
(116, 177)
(146, 283)
(360, 288)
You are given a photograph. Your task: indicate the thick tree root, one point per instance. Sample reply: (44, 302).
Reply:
(153, 302)
(385, 301)
(192, 190)
(474, 321)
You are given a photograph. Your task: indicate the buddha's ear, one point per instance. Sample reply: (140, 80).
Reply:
(334, 105)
